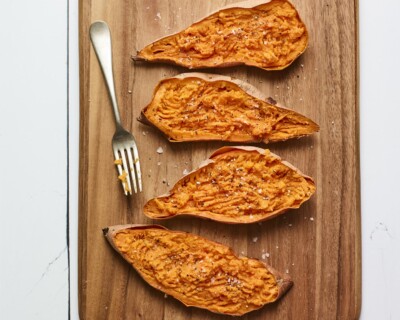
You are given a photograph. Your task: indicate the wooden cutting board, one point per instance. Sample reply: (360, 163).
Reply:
(318, 245)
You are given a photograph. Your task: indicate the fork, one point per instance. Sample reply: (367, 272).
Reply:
(123, 142)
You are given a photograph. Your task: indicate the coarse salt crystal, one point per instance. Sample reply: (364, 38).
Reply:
(160, 150)
(290, 225)
(159, 163)
(311, 219)
(158, 15)
(165, 296)
(255, 239)
(265, 255)
(144, 133)
(185, 172)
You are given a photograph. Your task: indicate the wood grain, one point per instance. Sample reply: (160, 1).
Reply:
(322, 255)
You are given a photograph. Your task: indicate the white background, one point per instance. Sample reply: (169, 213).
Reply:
(39, 121)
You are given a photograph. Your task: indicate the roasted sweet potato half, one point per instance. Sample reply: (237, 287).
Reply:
(200, 106)
(196, 271)
(235, 185)
(264, 34)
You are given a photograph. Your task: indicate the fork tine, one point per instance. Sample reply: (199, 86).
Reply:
(131, 168)
(119, 167)
(137, 165)
(125, 165)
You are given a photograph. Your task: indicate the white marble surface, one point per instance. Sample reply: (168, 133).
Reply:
(36, 78)
(380, 157)
(33, 161)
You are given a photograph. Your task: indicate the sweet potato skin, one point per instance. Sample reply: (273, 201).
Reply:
(271, 132)
(150, 206)
(146, 55)
(283, 281)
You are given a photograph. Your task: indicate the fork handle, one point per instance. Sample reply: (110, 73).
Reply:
(101, 39)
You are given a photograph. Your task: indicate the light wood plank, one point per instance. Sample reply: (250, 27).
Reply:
(322, 256)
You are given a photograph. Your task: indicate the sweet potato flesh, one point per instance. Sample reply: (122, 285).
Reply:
(269, 36)
(193, 109)
(196, 271)
(238, 187)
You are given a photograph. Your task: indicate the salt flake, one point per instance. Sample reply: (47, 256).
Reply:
(265, 255)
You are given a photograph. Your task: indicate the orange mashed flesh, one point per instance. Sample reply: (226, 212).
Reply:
(269, 36)
(196, 271)
(236, 187)
(193, 109)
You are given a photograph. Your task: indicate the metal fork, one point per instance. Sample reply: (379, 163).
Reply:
(123, 142)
